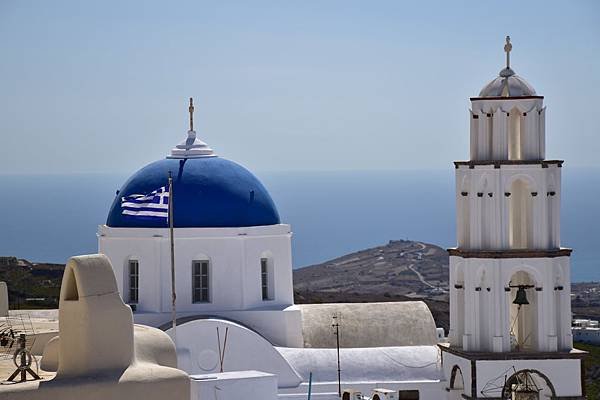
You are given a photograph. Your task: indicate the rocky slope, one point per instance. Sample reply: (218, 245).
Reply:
(401, 267)
(398, 271)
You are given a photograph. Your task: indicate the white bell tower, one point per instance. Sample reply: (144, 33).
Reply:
(509, 276)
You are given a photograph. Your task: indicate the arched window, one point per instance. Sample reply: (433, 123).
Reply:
(464, 221)
(486, 213)
(553, 211)
(539, 385)
(484, 308)
(515, 140)
(266, 278)
(132, 281)
(520, 223)
(458, 329)
(523, 304)
(457, 383)
(201, 281)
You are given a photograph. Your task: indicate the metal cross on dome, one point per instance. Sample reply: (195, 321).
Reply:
(507, 49)
(191, 110)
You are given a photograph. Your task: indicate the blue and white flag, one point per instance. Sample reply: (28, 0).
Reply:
(154, 205)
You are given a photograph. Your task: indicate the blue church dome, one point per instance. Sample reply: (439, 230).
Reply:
(208, 192)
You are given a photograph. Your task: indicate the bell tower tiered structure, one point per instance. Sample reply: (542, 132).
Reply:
(509, 276)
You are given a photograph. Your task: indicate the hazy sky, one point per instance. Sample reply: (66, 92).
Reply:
(280, 85)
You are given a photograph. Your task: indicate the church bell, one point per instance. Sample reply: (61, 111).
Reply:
(521, 297)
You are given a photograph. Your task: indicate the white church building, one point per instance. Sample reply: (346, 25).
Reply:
(509, 278)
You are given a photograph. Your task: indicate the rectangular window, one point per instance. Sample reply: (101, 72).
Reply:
(264, 278)
(134, 280)
(408, 395)
(200, 284)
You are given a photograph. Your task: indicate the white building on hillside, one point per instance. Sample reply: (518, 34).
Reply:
(586, 331)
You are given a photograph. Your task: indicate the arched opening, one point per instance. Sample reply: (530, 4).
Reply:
(484, 305)
(523, 304)
(131, 280)
(267, 276)
(558, 292)
(202, 279)
(459, 309)
(464, 208)
(514, 135)
(489, 142)
(457, 383)
(520, 222)
(486, 211)
(71, 293)
(552, 209)
(528, 384)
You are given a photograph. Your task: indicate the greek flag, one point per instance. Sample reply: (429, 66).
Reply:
(154, 205)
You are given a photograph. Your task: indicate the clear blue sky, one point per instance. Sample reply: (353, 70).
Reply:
(281, 85)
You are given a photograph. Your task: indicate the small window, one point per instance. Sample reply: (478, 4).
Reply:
(134, 280)
(264, 278)
(200, 281)
(408, 395)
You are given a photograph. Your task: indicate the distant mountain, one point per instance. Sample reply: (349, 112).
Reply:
(401, 267)
(398, 271)
(31, 285)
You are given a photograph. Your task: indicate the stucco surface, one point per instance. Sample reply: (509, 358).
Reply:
(374, 364)
(95, 326)
(151, 345)
(234, 385)
(96, 354)
(198, 350)
(408, 323)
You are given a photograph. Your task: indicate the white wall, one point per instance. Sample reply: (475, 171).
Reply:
(198, 351)
(586, 335)
(483, 220)
(234, 255)
(507, 129)
(234, 385)
(564, 374)
(553, 305)
(280, 327)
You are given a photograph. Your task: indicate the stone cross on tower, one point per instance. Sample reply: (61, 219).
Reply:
(507, 49)
(191, 110)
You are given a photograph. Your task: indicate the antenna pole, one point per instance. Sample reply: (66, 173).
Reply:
(336, 326)
(172, 240)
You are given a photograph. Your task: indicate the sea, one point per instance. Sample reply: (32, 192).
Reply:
(48, 218)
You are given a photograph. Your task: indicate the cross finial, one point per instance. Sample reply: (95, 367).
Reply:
(507, 49)
(191, 110)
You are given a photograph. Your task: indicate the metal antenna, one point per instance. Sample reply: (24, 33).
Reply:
(507, 49)
(336, 325)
